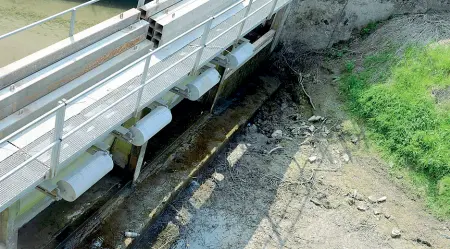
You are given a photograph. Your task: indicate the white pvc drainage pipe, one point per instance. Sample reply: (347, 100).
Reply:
(73, 186)
(240, 55)
(203, 83)
(151, 124)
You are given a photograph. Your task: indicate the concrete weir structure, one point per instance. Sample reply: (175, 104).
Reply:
(81, 102)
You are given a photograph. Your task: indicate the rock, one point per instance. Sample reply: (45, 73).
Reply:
(376, 211)
(346, 158)
(312, 128)
(387, 215)
(396, 233)
(424, 242)
(372, 199)
(327, 205)
(315, 119)
(321, 196)
(312, 159)
(382, 199)
(357, 196)
(218, 176)
(278, 134)
(351, 201)
(354, 139)
(362, 207)
(131, 234)
(316, 202)
(97, 243)
(253, 128)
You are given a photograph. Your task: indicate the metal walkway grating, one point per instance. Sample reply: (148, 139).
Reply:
(159, 83)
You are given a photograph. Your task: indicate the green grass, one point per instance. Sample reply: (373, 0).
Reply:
(369, 29)
(394, 98)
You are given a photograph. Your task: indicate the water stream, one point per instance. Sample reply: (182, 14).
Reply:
(15, 14)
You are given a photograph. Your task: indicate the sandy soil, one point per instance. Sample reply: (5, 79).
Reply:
(313, 185)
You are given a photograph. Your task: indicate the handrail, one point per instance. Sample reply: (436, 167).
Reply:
(72, 20)
(126, 96)
(98, 84)
(61, 107)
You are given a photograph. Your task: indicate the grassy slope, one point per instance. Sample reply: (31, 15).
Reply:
(394, 98)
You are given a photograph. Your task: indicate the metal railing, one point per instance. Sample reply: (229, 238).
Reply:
(73, 12)
(59, 112)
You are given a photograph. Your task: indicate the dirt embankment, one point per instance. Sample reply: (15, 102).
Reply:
(319, 24)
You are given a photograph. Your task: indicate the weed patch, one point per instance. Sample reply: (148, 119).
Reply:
(394, 98)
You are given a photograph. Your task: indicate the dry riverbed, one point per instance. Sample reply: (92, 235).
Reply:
(304, 177)
(296, 181)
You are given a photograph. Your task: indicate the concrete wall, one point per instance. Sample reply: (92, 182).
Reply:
(316, 24)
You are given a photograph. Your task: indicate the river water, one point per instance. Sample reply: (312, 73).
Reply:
(18, 13)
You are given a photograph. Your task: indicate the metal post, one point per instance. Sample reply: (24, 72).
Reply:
(275, 2)
(278, 24)
(57, 137)
(140, 162)
(241, 29)
(203, 41)
(8, 229)
(140, 3)
(220, 89)
(72, 21)
(143, 80)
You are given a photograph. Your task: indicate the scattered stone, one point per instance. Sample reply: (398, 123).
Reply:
(396, 233)
(372, 199)
(376, 211)
(354, 139)
(131, 234)
(321, 196)
(423, 242)
(316, 202)
(357, 196)
(278, 134)
(346, 158)
(315, 119)
(399, 177)
(97, 243)
(253, 129)
(362, 207)
(351, 201)
(218, 176)
(312, 159)
(382, 199)
(312, 128)
(387, 215)
(327, 205)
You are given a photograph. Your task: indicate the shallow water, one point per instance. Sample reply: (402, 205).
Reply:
(15, 14)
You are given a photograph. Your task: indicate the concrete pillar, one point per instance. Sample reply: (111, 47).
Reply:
(8, 230)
